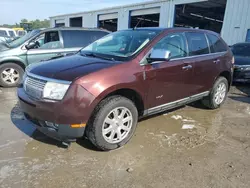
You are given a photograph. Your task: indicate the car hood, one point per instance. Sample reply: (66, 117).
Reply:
(241, 60)
(3, 46)
(70, 67)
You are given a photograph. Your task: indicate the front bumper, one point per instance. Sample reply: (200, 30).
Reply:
(59, 132)
(60, 115)
(241, 75)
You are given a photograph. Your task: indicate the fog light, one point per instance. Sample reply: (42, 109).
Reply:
(78, 125)
(50, 124)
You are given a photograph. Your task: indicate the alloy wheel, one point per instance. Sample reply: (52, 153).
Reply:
(220, 93)
(117, 125)
(10, 76)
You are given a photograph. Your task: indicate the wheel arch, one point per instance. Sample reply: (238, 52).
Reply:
(228, 76)
(129, 93)
(15, 61)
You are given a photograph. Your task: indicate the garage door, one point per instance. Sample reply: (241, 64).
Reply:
(108, 16)
(59, 23)
(155, 10)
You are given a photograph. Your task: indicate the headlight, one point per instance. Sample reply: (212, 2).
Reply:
(54, 91)
(24, 77)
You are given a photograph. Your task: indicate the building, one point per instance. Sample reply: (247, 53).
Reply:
(230, 18)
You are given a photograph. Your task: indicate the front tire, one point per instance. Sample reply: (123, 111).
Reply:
(113, 123)
(217, 95)
(11, 75)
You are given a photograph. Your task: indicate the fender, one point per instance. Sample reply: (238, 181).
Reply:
(21, 59)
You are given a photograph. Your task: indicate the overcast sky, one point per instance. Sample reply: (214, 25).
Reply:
(12, 11)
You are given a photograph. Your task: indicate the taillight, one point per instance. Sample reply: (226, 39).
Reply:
(233, 60)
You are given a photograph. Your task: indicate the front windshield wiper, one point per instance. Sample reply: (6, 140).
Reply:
(90, 54)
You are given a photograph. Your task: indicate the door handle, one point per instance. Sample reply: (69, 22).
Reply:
(187, 67)
(216, 61)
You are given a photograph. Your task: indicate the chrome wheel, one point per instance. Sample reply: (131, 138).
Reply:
(220, 93)
(117, 125)
(10, 76)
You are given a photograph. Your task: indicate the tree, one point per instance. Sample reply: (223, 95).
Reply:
(24, 20)
(35, 24)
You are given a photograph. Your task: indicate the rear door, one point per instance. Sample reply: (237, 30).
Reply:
(204, 69)
(48, 45)
(219, 54)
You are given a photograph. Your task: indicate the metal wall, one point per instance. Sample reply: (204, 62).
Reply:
(90, 19)
(236, 21)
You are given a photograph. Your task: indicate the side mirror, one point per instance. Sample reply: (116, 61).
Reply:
(31, 45)
(159, 55)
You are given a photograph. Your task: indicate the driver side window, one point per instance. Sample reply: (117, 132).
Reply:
(175, 43)
(48, 40)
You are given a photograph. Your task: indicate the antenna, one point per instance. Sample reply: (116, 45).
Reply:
(138, 23)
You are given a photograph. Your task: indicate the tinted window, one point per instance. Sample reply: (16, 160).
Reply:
(12, 34)
(175, 43)
(197, 44)
(73, 39)
(241, 50)
(216, 45)
(3, 33)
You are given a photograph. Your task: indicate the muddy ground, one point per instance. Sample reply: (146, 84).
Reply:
(188, 147)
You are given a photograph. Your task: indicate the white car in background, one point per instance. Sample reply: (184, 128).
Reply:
(7, 32)
(7, 35)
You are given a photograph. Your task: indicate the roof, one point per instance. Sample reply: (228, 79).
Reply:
(242, 43)
(111, 8)
(173, 28)
(4, 28)
(74, 28)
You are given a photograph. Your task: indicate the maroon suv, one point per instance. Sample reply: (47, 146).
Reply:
(101, 91)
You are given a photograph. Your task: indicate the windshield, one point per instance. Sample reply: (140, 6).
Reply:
(23, 39)
(122, 43)
(241, 50)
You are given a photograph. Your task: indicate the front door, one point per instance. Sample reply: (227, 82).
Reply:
(167, 80)
(48, 45)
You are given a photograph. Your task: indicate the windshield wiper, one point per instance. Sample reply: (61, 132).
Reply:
(89, 54)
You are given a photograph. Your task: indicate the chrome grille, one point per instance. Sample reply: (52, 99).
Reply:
(34, 87)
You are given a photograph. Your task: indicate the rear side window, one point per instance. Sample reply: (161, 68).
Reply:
(3, 33)
(197, 43)
(216, 45)
(12, 34)
(72, 39)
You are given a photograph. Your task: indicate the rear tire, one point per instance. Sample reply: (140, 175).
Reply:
(113, 123)
(11, 75)
(218, 94)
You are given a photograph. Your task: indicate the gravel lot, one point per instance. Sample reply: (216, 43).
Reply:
(188, 147)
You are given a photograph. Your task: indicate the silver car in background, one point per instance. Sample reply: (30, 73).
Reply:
(46, 44)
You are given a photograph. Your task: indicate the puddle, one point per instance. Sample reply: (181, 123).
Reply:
(188, 126)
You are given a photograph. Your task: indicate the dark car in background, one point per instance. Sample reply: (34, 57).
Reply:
(241, 53)
(48, 43)
(102, 90)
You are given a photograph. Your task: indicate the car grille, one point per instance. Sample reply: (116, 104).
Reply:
(34, 87)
